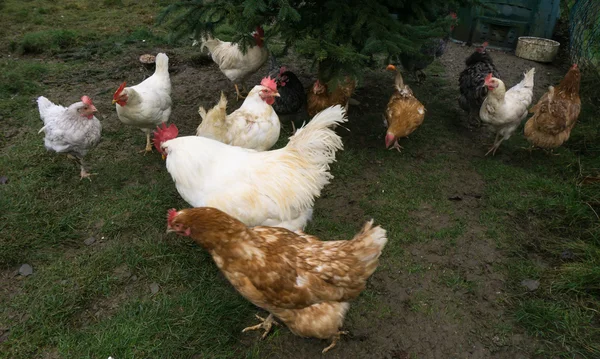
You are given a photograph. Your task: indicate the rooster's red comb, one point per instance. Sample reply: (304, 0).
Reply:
(269, 82)
(87, 100)
(171, 215)
(119, 90)
(164, 134)
(488, 77)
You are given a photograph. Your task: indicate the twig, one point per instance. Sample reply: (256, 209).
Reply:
(593, 210)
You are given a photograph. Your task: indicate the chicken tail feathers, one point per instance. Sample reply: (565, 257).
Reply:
(370, 242)
(317, 139)
(43, 105)
(162, 64)
(528, 79)
(215, 115)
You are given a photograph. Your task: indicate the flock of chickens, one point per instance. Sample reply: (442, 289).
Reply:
(251, 203)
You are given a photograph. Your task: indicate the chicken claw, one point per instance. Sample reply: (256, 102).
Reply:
(148, 145)
(237, 91)
(334, 340)
(266, 325)
(85, 174)
(396, 146)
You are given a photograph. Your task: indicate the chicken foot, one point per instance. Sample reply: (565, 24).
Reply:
(83, 173)
(334, 341)
(237, 91)
(495, 146)
(148, 144)
(396, 146)
(266, 325)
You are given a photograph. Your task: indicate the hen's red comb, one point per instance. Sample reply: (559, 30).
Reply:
(164, 134)
(171, 215)
(119, 90)
(87, 100)
(574, 66)
(282, 69)
(488, 77)
(270, 83)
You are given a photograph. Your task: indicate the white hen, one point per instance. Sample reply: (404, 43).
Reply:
(504, 110)
(148, 103)
(73, 130)
(273, 188)
(254, 125)
(234, 64)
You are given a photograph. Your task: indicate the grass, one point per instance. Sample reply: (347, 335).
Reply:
(94, 301)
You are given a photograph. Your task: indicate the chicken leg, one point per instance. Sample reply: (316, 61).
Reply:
(148, 143)
(266, 325)
(237, 91)
(83, 173)
(495, 146)
(334, 341)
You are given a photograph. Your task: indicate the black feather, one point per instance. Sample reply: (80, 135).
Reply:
(472, 79)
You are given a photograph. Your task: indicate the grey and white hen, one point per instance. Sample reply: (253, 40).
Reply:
(72, 130)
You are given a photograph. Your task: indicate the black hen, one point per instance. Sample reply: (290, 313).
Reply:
(292, 94)
(430, 50)
(471, 81)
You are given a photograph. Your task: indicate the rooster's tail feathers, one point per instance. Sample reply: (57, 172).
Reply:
(162, 64)
(317, 136)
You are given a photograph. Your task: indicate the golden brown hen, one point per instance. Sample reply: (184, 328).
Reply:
(556, 113)
(404, 112)
(304, 282)
(319, 98)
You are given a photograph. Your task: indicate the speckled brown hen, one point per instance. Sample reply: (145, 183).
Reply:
(556, 113)
(404, 113)
(304, 282)
(319, 97)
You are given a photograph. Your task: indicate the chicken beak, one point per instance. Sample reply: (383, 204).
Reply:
(163, 156)
(276, 94)
(114, 102)
(93, 108)
(169, 229)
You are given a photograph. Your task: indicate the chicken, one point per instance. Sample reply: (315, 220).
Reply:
(504, 110)
(556, 113)
(471, 79)
(430, 50)
(254, 125)
(404, 112)
(271, 188)
(234, 64)
(148, 103)
(293, 95)
(320, 98)
(303, 281)
(73, 130)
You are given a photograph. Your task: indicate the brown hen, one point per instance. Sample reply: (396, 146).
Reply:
(556, 113)
(319, 98)
(304, 282)
(404, 113)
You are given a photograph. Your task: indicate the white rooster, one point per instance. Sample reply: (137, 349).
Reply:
(148, 103)
(254, 125)
(73, 130)
(272, 188)
(504, 110)
(236, 65)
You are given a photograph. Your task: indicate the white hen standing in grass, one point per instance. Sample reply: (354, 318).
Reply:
(73, 130)
(504, 110)
(147, 104)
